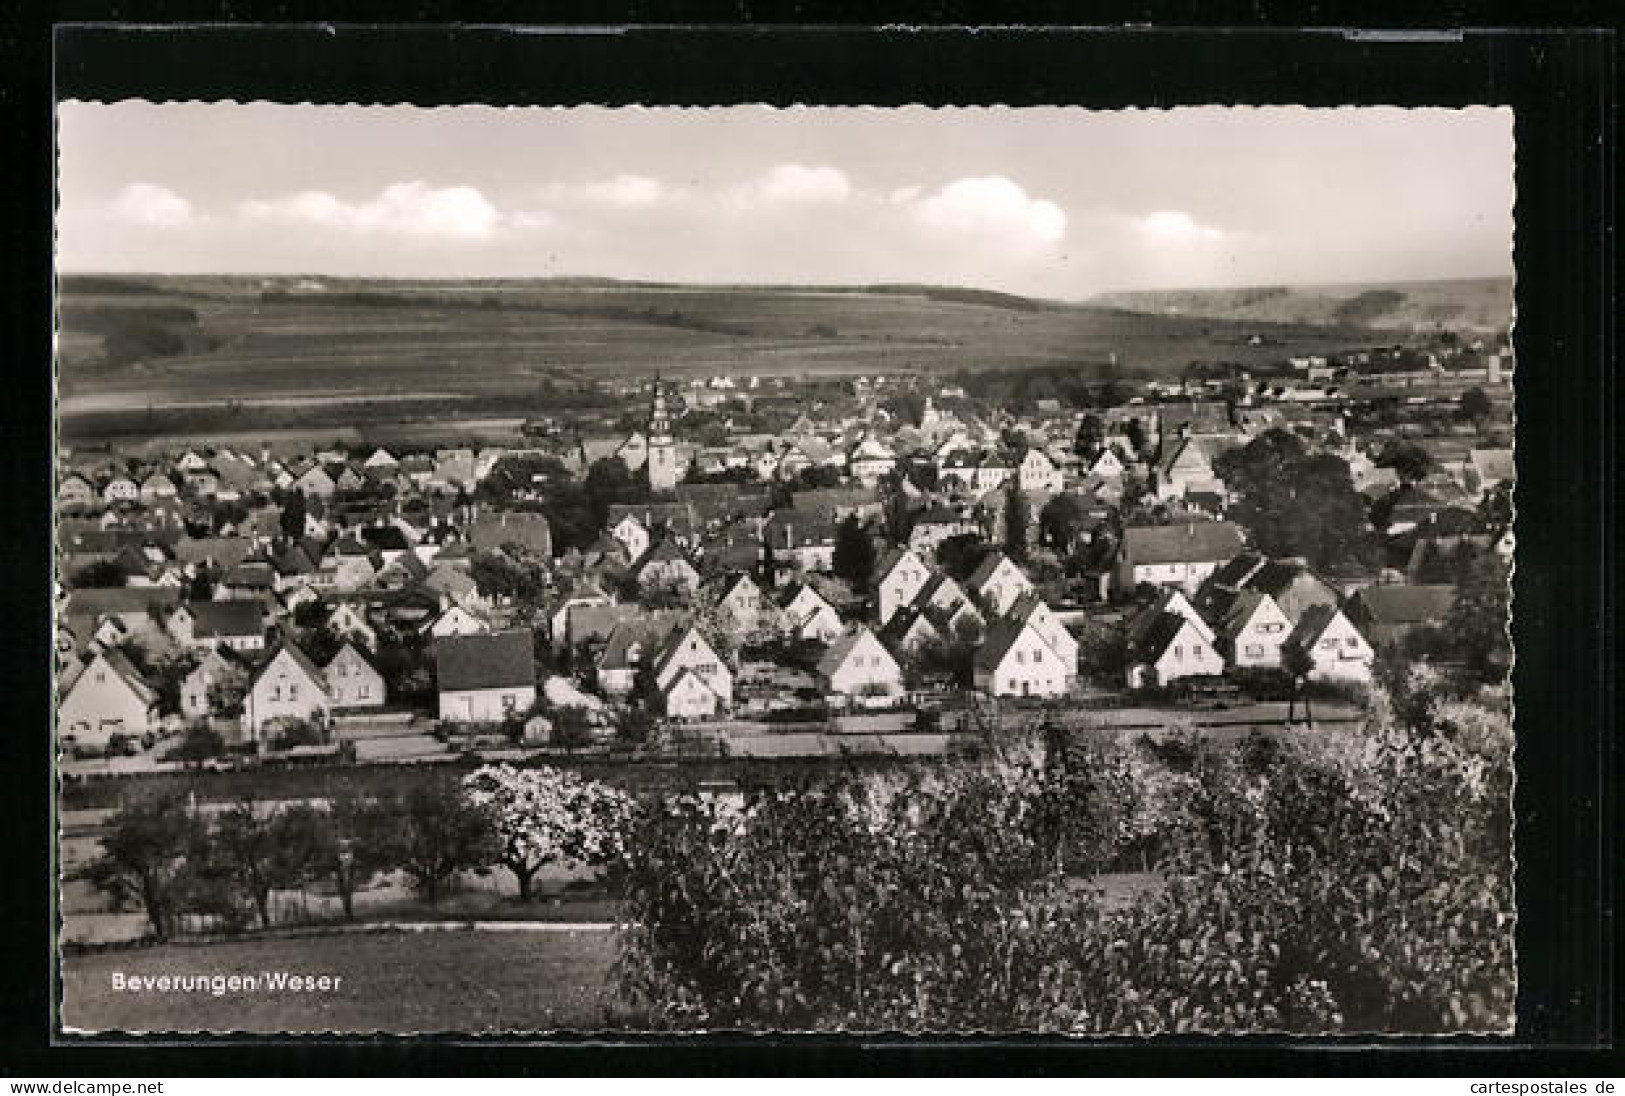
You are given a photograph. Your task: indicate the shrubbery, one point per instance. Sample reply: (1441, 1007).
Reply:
(1349, 884)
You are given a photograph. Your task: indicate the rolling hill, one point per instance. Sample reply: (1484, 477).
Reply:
(1463, 304)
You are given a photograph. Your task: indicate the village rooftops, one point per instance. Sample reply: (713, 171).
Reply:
(1187, 542)
(494, 661)
(225, 619)
(1403, 604)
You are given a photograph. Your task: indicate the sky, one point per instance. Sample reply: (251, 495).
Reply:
(1059, 203)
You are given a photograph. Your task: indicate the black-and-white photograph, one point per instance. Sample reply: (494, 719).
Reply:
(784, 569)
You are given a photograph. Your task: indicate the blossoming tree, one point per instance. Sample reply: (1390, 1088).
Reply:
(548, 816)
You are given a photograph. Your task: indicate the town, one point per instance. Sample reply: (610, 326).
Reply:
(723, 565)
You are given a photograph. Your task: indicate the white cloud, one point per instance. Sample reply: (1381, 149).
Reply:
(1177, 226)
(152, 205)
(794, 184)
(412, 209)
(993, 206)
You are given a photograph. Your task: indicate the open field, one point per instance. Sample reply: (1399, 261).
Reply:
(389, 982)
(1463, 304)
(364, 350)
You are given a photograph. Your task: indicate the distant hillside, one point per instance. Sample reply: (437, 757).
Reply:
(1463, 304)
(140, 342)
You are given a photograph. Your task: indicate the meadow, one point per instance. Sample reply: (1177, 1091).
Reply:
(401, 983)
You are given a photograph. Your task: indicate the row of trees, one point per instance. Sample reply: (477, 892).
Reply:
(173, 860)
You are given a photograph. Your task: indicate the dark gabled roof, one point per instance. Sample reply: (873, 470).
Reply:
(1403, 604)
(674, 642)
(664, 552)
(593, 622)
(1000, 638)
(120, 600)
(903, 621)
(120, 665)
(225, 619)
(1311, 624)
(299, 658)
(357, 650)
(1188, 542)
(835, 657)
(985, 569)
(496, 661)
(1161, 632)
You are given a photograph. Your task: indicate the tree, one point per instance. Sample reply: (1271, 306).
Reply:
(293, 514)
(351, 845)
(1295, 502)
(854, 560)
(257, 852)
(197, 745)
(1091, 436)
(572, 730)
(434, 833)
(100, 574)
(1298, 664)
(1408, 460)
(144, 857)
(1475, 405)
(1477, 622)
(547, 816)
(961, 555)
(1137, 439)
(1061, 522)
(1017, 517)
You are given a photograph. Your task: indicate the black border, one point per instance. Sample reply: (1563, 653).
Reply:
(1563, 87)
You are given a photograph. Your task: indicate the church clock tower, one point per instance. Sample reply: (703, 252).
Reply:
(662, 464)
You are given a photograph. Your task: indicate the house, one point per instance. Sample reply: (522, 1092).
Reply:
(1290, 581)
(485, 678)
(1386, 614)
(633, 535)
(1486, 468)
(1185, 466)
(1336, 649)
(217, 667)
(74, 491)
(870, 460)
(1108, 465)
(252, 580)
(667, 565)
(687, 653)
(689, 697)
(349, 621)
(453, 585)
(352, 680)
(1169, 599)
(530, 531)
(997, 582)
(901, 575)
(1015, 660)
(807, 540)
(381, 459)
(738, 595)
(909, 629)
(109, 696)
(583, 595)
(121, 489)
(1251, 628)
(157, 486)
(287, 686)
(936, 524)
(1031, 609)
(458, 621)
(810, 615)
(1171, 648)
(234, 625)
(315, 481)
(858, 665)
(1038, 473)
(1182, 555)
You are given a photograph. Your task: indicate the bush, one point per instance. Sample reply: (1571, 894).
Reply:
(1349, 884)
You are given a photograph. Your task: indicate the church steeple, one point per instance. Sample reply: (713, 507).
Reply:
(662, 463)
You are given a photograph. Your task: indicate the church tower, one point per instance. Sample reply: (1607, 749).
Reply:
(662, 464)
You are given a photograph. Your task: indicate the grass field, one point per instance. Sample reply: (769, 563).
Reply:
(451, 981)
(132, 343)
